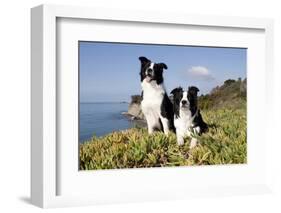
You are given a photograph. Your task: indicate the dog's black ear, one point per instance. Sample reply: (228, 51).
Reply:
(176, 90)
(144, 60)
(193, 90)
(163, 66)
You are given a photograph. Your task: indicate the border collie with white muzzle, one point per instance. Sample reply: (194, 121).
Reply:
(156, 105)
(187, 116)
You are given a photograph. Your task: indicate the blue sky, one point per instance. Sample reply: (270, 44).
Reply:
(109, 72)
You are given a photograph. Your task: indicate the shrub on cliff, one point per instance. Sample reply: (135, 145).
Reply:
(231, 94)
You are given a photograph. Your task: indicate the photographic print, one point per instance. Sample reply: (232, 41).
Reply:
(155, 105)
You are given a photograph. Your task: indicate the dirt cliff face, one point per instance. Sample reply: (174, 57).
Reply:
(134, 110)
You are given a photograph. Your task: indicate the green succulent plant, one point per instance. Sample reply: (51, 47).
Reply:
(224, 143)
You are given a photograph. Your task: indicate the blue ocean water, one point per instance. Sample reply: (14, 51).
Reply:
(102, 118)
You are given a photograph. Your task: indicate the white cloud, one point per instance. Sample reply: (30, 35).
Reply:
(200, 72)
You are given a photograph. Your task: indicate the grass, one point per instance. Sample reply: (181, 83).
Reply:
(224, 143)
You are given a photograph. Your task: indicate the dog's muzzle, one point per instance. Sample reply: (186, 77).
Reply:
(184, 104)
(148, 75)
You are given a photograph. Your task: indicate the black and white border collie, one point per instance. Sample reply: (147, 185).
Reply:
(187, 116)
(156, 105)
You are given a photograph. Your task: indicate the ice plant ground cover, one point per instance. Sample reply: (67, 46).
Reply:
(224, 110)
(225, 143)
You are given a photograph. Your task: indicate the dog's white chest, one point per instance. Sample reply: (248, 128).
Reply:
(151, 90)
(152, 95)
(151, 103)
(184, 122)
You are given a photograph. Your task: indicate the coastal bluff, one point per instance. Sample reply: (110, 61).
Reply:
(232, 93)
(134, 108)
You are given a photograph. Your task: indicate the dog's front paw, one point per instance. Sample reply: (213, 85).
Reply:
(180, 141)
(193, 143)
(150, 131)
(167, 133)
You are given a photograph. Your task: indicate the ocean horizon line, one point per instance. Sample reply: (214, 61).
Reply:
(104, 102)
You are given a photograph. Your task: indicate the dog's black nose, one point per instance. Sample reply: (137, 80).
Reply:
(184, 102)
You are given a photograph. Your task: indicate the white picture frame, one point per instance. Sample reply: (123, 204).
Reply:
(46, 167)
